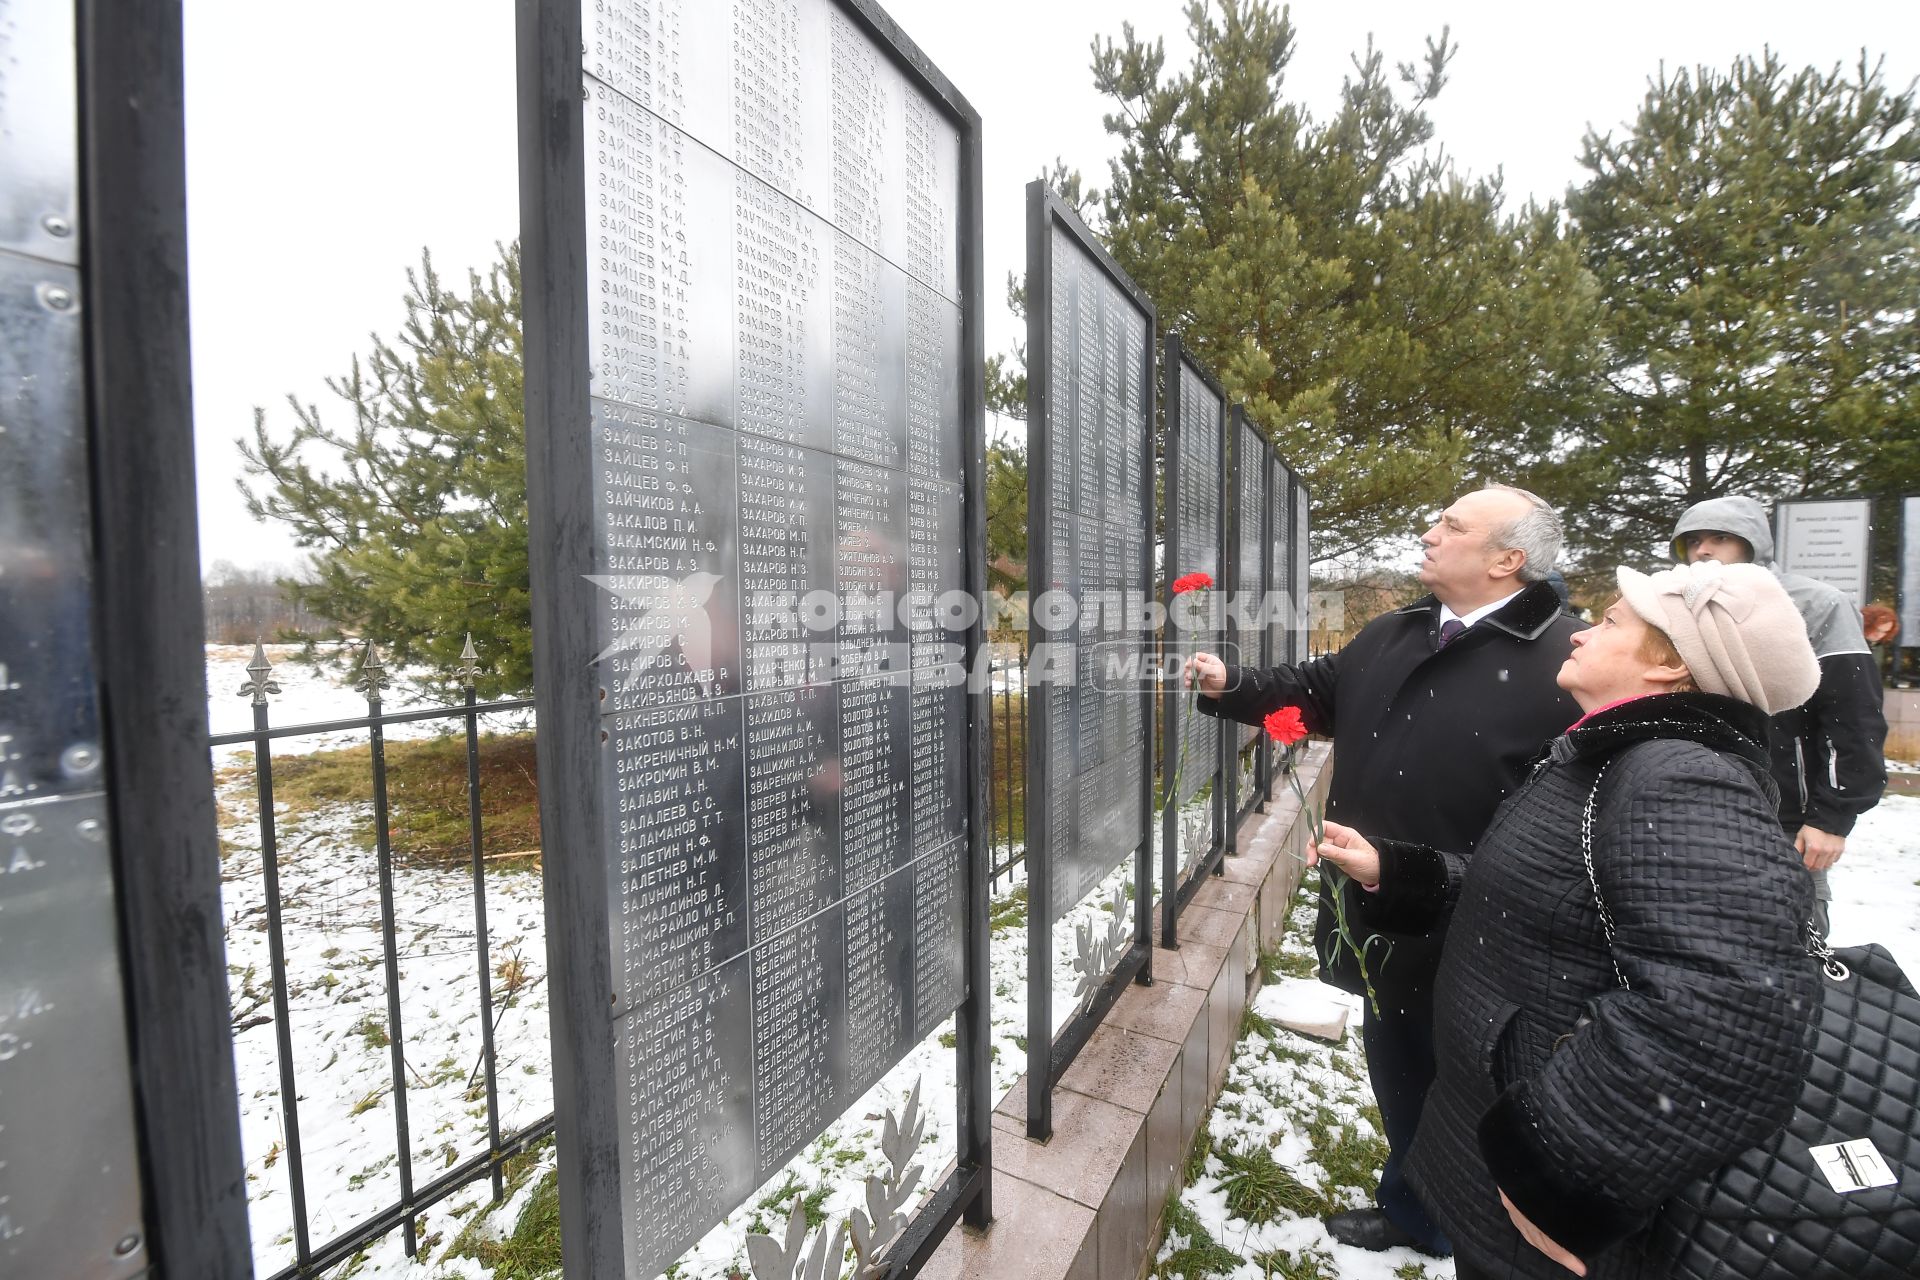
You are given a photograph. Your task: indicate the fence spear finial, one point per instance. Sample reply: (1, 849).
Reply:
(469, 668)
(373, 674)
(260, 669)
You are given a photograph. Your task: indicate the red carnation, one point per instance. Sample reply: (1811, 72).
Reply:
(1191, 582)
(1285, 726)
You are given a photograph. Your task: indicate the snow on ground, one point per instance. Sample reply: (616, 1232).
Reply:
(1876, 883)
(340, 1028)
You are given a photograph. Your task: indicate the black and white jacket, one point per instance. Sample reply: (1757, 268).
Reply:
(1588, 1103)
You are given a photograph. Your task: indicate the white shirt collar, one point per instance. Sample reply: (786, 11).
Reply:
(1468, 619)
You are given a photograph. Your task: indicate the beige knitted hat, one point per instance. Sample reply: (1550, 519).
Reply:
(1735, 628)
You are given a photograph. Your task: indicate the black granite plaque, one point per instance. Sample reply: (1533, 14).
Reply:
(1276, 608)
(1094, 505)
(775, 347)
(1194, 541)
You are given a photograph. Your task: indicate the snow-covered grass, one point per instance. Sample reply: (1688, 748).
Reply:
(1294, 1136)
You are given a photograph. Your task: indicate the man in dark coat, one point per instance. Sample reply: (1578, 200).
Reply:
(1435, 710)
(1589, 1070)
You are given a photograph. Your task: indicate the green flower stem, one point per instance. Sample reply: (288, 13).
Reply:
(1336, 880)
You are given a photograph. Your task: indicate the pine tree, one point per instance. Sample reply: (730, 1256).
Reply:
(1388, 324)
(415, 508)
(1756, 237)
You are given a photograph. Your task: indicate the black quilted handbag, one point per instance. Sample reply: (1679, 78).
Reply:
(1835, 1195)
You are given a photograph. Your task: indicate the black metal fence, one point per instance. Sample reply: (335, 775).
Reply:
(1007, 722)
(309, 1258)
(1007, 754)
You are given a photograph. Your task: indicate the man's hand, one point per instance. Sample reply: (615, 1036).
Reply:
(1538, 1239)
(1347, 849)
(1206, 674)
(1819, 849)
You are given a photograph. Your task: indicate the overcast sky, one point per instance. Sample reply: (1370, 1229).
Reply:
(328, 144)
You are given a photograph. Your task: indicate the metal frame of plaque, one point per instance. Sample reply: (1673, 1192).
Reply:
(754, 355)
(1078, 764)
(122, 1135)
(1245, 499)
(1299, 624)
(1185, 554)
(1277, 605)
(1909, 573)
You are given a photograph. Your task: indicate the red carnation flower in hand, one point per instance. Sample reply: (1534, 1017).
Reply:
(1285, 726)
(1191, 582)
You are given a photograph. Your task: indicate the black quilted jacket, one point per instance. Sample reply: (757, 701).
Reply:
(1589, 1104)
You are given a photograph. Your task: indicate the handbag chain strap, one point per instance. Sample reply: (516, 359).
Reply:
(1817, 947)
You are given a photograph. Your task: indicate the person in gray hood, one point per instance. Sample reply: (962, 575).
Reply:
(1827, 753)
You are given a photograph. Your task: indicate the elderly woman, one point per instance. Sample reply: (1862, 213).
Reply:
(1580, 1083)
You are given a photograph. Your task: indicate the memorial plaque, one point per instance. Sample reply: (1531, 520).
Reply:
(1829, 541)
(1196, 491)
(1089, 748)
(1096, 434)
(1277, 608)
(69, 1159)
(784, 438)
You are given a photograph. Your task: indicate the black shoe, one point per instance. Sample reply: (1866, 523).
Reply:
(1369, 1229)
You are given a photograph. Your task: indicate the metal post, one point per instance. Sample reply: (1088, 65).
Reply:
(130, 240)
(260, 687)
(469, 671)
(373, 678)
(1039, 566)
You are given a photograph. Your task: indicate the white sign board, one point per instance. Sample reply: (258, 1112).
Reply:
(1826, 541)
(1910, 573)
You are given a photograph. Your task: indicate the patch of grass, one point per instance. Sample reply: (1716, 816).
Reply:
(1203, 1256)
(367, 1103)
(1252, 1024)
(373, 1030)
(1350, 1159)
(1197, 1159)
(770, 1215)
(1261, 1190)
(532, 1250)
(1007, 769)
(1410, 1271)
(1009, 911)
(1281, 963)
(427, 796)
(1308, 1264)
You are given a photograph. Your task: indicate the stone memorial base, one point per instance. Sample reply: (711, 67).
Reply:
(1089, 1202)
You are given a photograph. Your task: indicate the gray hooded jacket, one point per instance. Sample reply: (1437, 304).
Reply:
(1827, 757)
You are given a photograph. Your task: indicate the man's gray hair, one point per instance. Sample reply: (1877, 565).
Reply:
(1537, 533)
